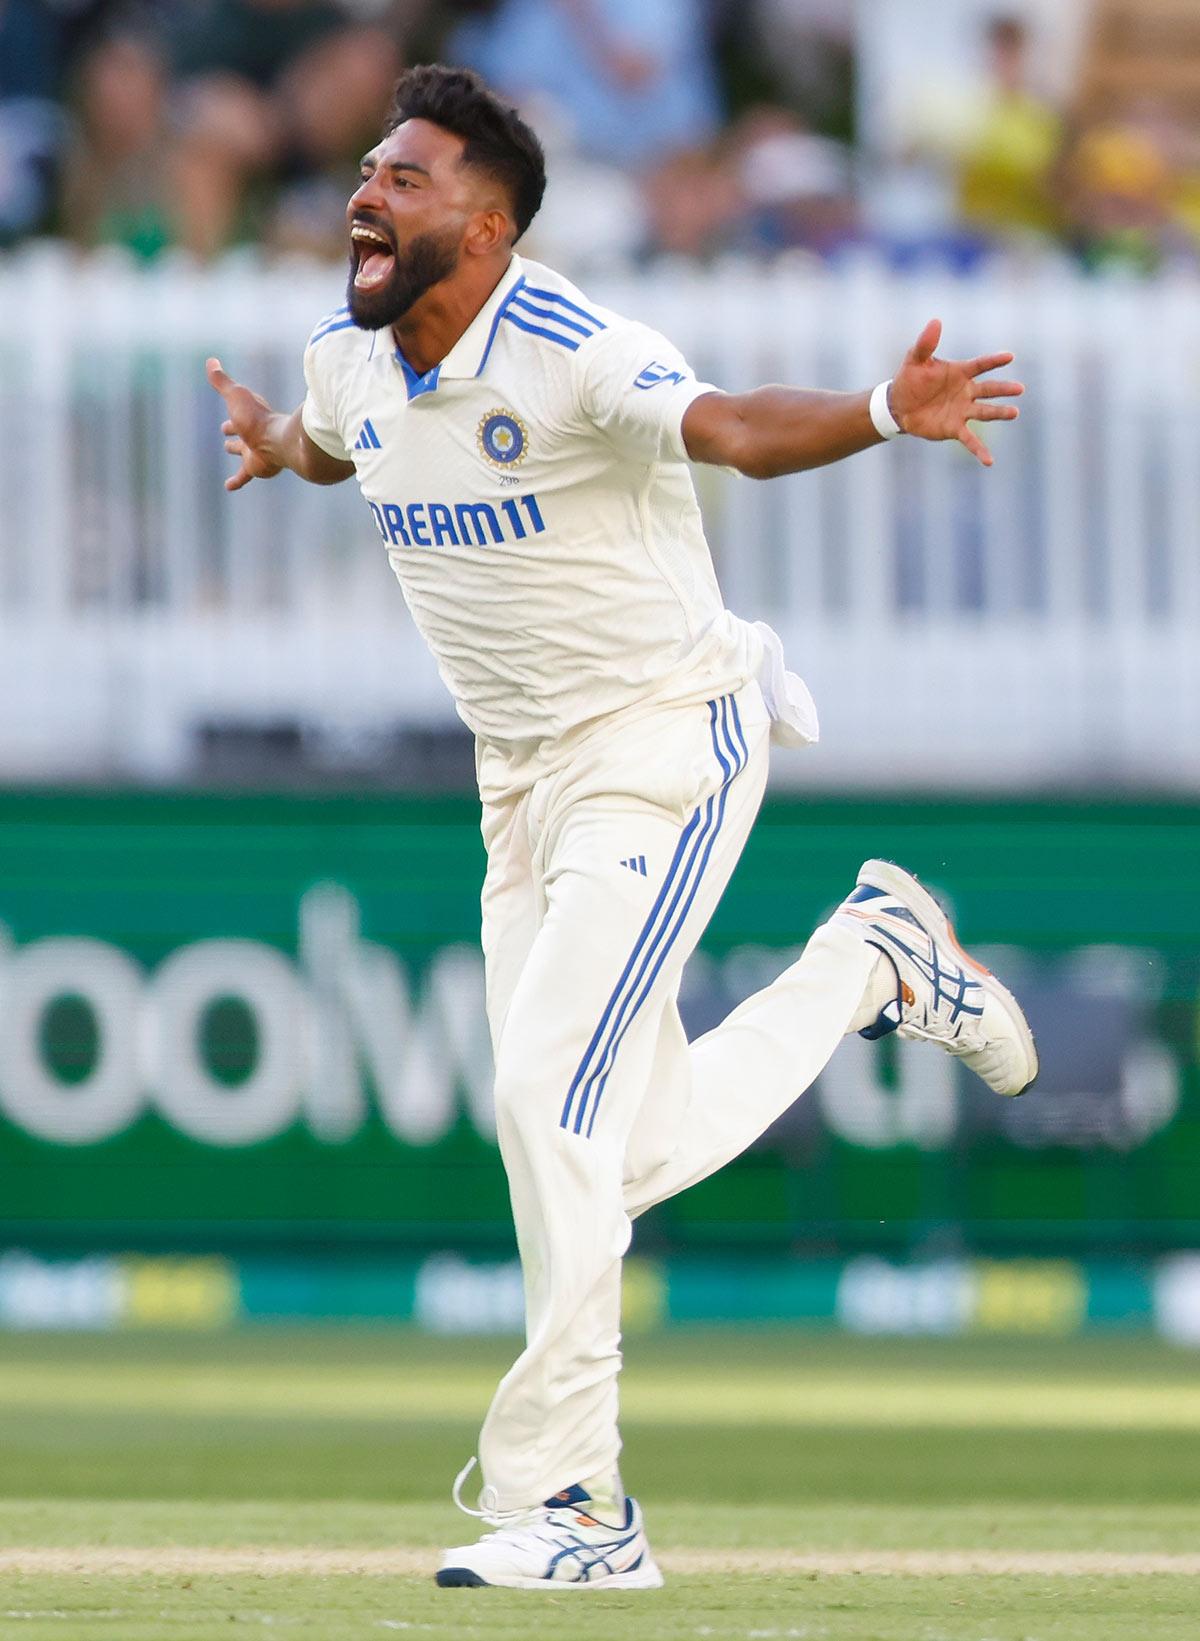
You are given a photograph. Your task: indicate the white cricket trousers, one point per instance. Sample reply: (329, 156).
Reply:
(600, 881)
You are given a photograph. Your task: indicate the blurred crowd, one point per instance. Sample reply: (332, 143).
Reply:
(683, 126)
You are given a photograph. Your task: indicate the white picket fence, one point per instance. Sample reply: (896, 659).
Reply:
(1035, 624)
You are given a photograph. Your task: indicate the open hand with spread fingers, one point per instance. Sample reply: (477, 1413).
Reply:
(266, 441)
(248, 429)
(934, 398)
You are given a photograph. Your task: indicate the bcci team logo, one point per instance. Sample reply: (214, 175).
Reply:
(503, 438)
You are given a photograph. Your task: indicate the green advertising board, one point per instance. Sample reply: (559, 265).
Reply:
(237, 1024)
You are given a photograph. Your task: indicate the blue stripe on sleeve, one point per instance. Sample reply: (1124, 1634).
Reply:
(536, 330)
(320, 335)
(338, 313)
(565, 302)
(554, 318)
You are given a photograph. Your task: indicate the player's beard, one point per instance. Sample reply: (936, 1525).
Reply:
(426, 260)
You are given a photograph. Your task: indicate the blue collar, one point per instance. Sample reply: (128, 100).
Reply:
(415, 384)
(470, 353)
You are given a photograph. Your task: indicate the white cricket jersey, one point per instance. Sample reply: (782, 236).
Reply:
(533, 495)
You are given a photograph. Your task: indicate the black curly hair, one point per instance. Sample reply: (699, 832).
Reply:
(498, 142)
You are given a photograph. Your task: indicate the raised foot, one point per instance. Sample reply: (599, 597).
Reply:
(943, 994)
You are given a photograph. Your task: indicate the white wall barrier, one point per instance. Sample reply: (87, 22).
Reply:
(1034, 624)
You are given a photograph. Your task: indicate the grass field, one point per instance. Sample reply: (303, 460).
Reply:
(795, 1486)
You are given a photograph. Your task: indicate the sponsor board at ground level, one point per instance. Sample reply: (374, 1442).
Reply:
(448, 1293)
(100, 1293)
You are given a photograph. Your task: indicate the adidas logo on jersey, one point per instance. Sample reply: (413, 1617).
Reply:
(636, 863)
(368, 439)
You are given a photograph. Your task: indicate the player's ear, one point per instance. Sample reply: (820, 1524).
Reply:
(487, 231)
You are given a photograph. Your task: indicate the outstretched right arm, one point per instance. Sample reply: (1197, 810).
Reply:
(267, 440)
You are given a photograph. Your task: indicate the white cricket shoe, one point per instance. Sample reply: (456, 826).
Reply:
(943, 995)
(555, 1546)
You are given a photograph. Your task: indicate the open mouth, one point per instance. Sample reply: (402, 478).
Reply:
(376, 257)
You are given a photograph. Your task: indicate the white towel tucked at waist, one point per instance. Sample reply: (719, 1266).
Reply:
(792, 708)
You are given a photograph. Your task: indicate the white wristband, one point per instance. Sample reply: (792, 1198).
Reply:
(886, 424)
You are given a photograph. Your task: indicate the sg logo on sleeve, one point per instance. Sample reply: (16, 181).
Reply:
(655, 375)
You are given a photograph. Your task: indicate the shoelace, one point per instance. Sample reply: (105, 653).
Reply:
(968, 1042)
(531, 1527)
(487, 1498)
(970, 1037)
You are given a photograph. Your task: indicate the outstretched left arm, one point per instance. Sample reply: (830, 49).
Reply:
(778, 430)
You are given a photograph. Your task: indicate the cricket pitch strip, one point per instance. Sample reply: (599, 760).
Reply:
(286, 1561)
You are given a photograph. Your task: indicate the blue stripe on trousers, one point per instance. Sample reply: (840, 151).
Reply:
(738, 765)
(642, 938)
(648, 942)
(695, 845)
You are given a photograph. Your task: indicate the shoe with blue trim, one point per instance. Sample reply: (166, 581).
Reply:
(943, 994)
(557, 1545)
